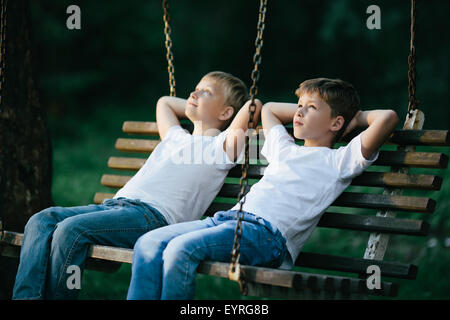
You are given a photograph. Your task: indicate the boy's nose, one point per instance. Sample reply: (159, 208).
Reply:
(194, 95)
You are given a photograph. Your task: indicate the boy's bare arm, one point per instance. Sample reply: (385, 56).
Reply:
(168, 112)
(380, 125)
(274, 113)
(235, 140)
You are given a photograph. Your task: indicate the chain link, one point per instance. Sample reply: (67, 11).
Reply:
(413, 102)
(234, 272)
(168, 43)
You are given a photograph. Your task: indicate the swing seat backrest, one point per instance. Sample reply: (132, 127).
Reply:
(365, 200)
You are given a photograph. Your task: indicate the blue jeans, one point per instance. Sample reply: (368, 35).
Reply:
(165, 260)
(58, 237)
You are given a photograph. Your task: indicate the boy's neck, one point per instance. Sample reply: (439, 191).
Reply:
(203, 129)
(317, 143)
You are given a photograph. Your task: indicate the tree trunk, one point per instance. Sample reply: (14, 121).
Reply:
(25, 146)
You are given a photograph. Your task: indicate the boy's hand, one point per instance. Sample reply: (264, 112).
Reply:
(354, 123)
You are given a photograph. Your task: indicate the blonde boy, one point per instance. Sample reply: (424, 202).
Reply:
(162, 192)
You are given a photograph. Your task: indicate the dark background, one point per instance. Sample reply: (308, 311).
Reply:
(118, 56)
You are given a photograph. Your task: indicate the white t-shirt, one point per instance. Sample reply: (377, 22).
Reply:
(182, 176)
(300, 183)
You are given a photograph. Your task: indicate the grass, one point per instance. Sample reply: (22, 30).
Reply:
(82, 144)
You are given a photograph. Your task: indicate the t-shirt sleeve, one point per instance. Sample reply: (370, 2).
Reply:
(349, 160)
(219, 148)
(276, 140)
(175, 132)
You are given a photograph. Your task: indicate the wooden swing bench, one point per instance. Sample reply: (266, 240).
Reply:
(279, 283)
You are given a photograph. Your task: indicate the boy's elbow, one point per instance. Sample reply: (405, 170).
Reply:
(393, 118)
(162, 100)
(163, 103)
(267, 107)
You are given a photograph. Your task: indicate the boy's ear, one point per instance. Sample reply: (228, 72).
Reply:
(337, 123)
(226, 113)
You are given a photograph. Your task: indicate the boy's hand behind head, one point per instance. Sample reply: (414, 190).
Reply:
(216, 100)
(354, 123)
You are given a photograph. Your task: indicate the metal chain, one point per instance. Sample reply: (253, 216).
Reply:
(4, 4)
(168, 43)
(234, 271)
(413, 102)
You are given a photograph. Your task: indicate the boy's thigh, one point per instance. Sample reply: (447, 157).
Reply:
(57, 214)
(113, 226)
(164, 235)
(257, 246)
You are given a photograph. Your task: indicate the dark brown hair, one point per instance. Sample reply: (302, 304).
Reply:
(340, 95)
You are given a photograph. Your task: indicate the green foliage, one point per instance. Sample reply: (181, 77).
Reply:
(114, 69)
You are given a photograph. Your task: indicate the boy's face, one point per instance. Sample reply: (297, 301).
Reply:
(207, 103)
(312, 121)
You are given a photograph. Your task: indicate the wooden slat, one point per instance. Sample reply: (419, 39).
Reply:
(298, 280)
(406, 137)
(370, 179)
(122, 255)
(398, 180)
(140, 127)
(405, 159)
(254, 171)
(148, 127)
(12, 238)
(101, 196)
(123, 163)
(114, 181)
(276, 277)
(374, 224)
(370, 201)
(412, 159)
(356, 222)
(381, 201)
(136, 145)
(421, 137)
(355, 265)
(362, 200)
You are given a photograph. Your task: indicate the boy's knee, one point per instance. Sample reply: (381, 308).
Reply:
(178, 249)
(66, 230)
(147, 247)
(42, 219)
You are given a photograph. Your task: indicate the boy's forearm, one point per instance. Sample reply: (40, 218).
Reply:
(367, 118)
(243, 116)
(380, 125)
(282, 111)
(176, 105)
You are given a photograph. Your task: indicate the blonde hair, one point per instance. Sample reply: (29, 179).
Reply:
(236, 93)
